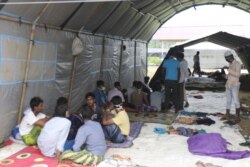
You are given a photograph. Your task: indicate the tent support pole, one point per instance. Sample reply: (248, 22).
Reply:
(135, 77)
(27, 65)
(146, 59)
(71, 82)
(102, 59)
(120, 67)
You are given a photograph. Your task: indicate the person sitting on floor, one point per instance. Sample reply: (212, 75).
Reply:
(131, 90)
(90, 145)
(33, 121)
(100, 93)
(116, 91)
(75, 119)
(156, 97)
(53, 137)
(140, 101)
(90, 102)
(116, 124)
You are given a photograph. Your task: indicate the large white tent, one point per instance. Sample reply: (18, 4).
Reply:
(36, 39)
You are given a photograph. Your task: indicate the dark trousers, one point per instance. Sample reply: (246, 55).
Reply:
(180, 95)
(113, 133)
(171, 90)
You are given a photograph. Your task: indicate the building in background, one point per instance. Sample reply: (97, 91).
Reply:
(211, 55)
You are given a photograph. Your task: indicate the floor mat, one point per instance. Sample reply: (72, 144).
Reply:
(31, 157)
(135, 128)
(154, 117)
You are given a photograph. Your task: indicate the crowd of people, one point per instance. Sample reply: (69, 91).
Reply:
(98, 121)
(103, 117)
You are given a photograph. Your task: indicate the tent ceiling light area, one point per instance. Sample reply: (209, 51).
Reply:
(53, 48)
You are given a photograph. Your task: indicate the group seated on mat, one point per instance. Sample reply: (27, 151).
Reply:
(83, 134)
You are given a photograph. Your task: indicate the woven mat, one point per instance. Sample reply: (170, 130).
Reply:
(154, 117)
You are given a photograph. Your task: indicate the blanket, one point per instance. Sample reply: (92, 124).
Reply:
(135, 128)
(212, 144)
(31, 157)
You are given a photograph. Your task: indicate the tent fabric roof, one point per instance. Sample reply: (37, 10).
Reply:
(221, 38)
(132, 19)
(240, 45)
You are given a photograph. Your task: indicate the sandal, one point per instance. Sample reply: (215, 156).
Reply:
(247, 143)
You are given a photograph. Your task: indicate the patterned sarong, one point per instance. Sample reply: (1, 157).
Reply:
(82, 157)
(31, 138)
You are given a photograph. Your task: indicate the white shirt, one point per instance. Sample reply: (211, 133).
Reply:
(156, 98)
(115, 92)
(28, 121)
(233, 74)
(53, 136)
(183, 71)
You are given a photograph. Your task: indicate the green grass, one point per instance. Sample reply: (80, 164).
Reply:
(153, 60)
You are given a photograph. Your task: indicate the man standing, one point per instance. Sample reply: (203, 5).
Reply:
(197, 68)
(171, 68)
(232, 85)
(183, 76)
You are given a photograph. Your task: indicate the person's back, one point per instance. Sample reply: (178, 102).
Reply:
(90, 146)
(156, 97)
(171, 66)
(51, 134)
(171, 69)
(138, 97)
(53, 137)
(91, 135)
(116, 91)
(131, 90)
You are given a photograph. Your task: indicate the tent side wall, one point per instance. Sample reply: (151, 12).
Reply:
(13, 50)
(51, 65)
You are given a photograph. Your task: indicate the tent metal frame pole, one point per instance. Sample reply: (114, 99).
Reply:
(146, 59)
(17, 20)
(27, 65)
(120, 67)
(71, 81)
(102, 58)
(135, 77)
